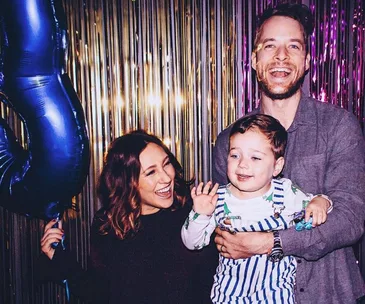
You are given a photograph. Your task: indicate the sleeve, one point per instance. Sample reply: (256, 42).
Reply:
(344, 184)
(56, 270)
(206, 266)
(89, 285)
(197, 230)
(297, 199)
(220, 153)
(92, 285)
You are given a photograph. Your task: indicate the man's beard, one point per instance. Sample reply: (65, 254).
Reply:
(279, 96)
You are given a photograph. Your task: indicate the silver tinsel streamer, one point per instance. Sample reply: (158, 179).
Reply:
(180, 69)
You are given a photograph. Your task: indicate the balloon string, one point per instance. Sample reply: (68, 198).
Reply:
(65, 281)
(55, 245)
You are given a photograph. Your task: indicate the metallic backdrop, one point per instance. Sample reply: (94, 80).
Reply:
(180, 69)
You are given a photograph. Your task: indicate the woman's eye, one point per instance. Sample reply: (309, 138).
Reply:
(256, 158)
(149, 173)
(167, 163)
(235, 156)
(269, 46)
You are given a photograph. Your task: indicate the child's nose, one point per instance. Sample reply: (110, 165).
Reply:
(243, 163)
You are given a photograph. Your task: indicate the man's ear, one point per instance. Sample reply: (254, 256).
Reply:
(253, 60)
(279, 165)
(307, 61)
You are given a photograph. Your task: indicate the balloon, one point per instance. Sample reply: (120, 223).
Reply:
(41, 180)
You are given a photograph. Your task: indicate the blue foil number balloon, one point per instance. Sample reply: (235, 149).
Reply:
(40, 180)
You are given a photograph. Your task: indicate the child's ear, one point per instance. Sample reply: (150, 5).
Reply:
(279, 165)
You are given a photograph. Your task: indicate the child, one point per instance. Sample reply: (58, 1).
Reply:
(254, 200)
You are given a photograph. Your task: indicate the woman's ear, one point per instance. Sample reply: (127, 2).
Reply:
(279, 165)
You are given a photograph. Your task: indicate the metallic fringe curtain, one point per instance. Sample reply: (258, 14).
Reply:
(181, 70)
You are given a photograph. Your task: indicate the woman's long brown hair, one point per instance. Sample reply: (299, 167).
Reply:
(118, 183)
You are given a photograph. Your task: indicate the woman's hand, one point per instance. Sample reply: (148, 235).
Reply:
(51, 235)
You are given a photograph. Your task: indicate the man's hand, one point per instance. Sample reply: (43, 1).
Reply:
(243, 245)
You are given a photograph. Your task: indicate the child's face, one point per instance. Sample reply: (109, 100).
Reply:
(251, 164)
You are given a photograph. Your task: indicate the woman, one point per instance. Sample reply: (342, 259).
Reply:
(137, 255)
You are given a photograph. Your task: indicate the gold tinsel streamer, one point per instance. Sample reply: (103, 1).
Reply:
(168, 66)
(180, 69)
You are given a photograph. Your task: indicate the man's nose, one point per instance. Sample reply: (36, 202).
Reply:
(281, 53)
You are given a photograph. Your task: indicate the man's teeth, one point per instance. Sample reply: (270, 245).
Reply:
(163, 190)
(280, 70)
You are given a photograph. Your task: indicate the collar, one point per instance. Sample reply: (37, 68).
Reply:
(305, 114)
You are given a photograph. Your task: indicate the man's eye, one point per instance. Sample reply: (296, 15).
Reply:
(294, 46)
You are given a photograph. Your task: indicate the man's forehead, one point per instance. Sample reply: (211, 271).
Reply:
(281, 25)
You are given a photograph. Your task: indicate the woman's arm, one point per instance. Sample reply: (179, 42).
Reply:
(57, 265)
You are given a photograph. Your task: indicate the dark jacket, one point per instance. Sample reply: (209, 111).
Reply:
(325, 154)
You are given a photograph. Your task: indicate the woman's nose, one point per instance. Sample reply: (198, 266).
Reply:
(165, 177)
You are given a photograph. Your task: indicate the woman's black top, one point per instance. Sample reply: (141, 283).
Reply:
(151, 267)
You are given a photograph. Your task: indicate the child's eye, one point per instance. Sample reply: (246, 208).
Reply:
(255, 158)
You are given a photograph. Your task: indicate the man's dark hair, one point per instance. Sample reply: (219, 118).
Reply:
(298, 12)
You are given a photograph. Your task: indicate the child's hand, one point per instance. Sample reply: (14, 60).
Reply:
(317, 208)
(204, 199)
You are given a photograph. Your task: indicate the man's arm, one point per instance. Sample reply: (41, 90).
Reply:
(345, 184)
(243, 245)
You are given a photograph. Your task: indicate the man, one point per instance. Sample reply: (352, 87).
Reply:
(325, 154)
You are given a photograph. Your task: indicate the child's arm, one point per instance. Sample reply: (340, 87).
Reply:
(318, 208)
(200, 223)
(310, 210)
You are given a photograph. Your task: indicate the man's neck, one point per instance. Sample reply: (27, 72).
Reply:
(283, 110)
